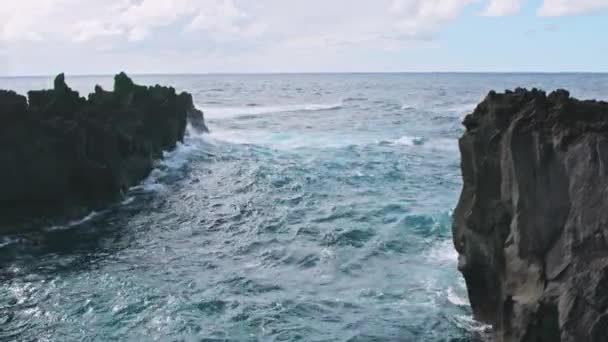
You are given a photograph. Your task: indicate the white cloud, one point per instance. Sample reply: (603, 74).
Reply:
(570, 7)
(132, 20)
(127, 19)
(19, 20)
(422, 19)
(274, 32)
(225, 20)
(338, 21)
(499, 8)
(88, 30)
(138, 19)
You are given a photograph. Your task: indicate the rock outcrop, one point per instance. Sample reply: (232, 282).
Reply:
(531, 226)
(61, 154)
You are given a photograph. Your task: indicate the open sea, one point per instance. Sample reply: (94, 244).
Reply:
(317, 209)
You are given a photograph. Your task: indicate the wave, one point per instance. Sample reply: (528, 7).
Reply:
(178, 157)
(74, 223)
(436, 144)
(455, 299)
(7, 241)
(269, 139)
(459, 109)
(468, 323)
(355, 99)
(128, 200)
(442, 253)
(462, 109)
(252, 110)
(291, 140)
(172, 161)
(410, 141)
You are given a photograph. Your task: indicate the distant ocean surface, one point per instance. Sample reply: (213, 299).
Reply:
(318, 209)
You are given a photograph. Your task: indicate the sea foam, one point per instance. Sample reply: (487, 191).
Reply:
(249, 110)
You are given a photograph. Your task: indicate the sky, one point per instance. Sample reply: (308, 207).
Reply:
(44, 37)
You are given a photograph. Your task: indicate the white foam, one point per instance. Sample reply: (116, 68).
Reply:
(232, 112)
(75, 223)
(177, 158)
(456, 299)
(410, 141)
(443, 144)
(152, 183)
(154, 186)
(442, 253)
(355, 99)
(285, 140)
(172, 160)
(232, 136)
(7, 241)
(463, 109)
(438, 144)
(128, 200)
(468, 323)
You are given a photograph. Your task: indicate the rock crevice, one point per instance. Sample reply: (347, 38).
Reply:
(531, 223)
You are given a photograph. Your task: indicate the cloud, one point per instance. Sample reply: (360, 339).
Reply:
(554, 8)
(499, 8)
(225, 20)
(422, 19)
(339, 21)
(137, 20)
(19, 19)
(88, 30)
(234, 33)
(121, 19)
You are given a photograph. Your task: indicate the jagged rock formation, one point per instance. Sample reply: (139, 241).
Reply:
(531, 226)
(62, 154)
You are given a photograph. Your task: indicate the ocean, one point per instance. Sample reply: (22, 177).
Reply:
(317, 209)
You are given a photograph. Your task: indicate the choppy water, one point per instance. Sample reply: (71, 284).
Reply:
(317, 210)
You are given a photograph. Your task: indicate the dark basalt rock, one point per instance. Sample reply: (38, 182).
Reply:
(531, 226)
(61, 154)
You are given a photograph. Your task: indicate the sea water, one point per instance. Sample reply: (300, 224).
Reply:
(317, 209)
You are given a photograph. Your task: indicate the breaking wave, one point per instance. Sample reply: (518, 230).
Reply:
(255, 109)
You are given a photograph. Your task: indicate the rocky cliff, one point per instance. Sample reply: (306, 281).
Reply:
(61, 154)
(531, 226)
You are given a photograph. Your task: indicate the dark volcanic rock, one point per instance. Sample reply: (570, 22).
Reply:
(62, 154)
(531, 226)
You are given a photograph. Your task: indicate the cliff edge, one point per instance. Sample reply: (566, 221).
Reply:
(531, 225)
(61, 154)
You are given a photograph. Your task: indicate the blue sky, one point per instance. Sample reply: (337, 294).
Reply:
(41, 37)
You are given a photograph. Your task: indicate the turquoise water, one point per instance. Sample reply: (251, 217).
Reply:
(318, 209)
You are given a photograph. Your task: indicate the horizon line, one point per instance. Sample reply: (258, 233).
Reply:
(146, 74)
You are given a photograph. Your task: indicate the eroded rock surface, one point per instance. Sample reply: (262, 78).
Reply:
(531, 226)
(61, 153)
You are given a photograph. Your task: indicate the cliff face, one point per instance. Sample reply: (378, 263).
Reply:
(531, 226)
(61, 153)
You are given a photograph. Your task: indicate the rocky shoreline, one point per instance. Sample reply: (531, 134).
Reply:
(531, 225)
(63, 155)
